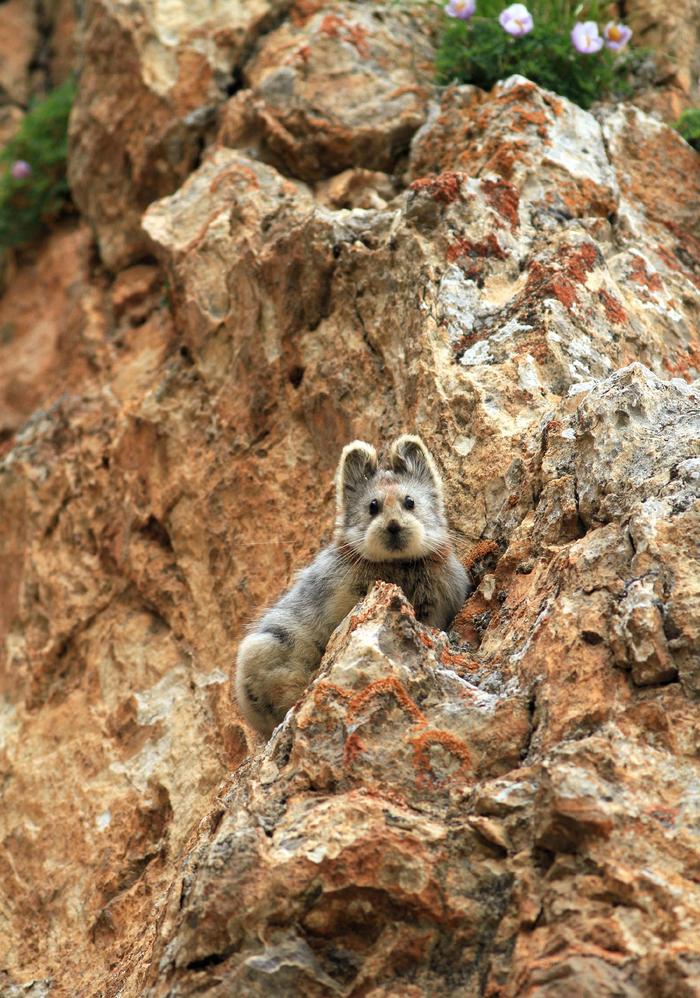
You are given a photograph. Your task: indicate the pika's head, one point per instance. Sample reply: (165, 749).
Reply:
(390, 514)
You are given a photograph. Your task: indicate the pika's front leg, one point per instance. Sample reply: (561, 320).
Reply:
(428, 613)
(271, 675)
(438, 598)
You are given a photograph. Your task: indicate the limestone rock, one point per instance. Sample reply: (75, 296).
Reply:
(19, 41)
(151, 78)
(345, 88)
(422, 816)
(540, 161)
(11, 118)
(367, 871)
(670, 32)
(57, 346)
(526, 136)
(356, 189)
(62, 18)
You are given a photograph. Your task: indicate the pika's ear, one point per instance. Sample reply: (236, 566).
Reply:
(357, 464)
(409, 455)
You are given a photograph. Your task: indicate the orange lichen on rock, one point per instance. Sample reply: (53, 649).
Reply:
(685, 363)
(422, 744)
(613, 309)
(535, 345)
(640, 275)
(444, 188)
(385, 687)
(426, 640)
(503, 160)
(504, 198)
(578, 261)
(523, 117)
(456, 660)
(332, 25)
(323, 691)
(489, 248)
(547, 283)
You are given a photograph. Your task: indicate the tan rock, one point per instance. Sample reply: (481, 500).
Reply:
(11, 118)
(133, 290)
(345, 88)
(20, 37)
(45, 353)
(150, 81)
(670, 30)
(525, 136)
(363, 852)
(64, 42)
(356, 189)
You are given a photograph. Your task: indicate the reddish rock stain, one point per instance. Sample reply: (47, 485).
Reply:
(353, 748)
(421, 747)
(382, 687)
(331, 25)
(455, 661)
(548, 284)
(488, 248)
(336, 27)
(579, 261)
(686, 363)
(444, 188)
(638, 274)
(303, 10)
(613, 309)
(504, 199)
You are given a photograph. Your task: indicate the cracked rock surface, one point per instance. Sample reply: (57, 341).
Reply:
(511, 809)
(427, 813)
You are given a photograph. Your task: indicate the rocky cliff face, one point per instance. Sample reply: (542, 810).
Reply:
(335, 250)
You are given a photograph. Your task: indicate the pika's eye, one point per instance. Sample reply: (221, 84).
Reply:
(373, 508)
(408, 503)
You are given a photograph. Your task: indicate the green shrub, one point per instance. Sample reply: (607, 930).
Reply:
(689, 126)
(479, 51)
(28, 204)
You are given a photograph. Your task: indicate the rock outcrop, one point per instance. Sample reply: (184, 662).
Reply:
(346, 87)
(671, 34)
(509, 809)
(151, 78)
(37, 52)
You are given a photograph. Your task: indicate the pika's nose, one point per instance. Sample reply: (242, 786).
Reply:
(393, 527)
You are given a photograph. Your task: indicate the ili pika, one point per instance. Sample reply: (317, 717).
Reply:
(390, 525)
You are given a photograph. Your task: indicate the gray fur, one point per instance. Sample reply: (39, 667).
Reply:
(409, 547)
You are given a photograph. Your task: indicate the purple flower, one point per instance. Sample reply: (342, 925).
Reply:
(463, 9)
(20, 169)
(616, 35)
(516, 20)
(585, 37)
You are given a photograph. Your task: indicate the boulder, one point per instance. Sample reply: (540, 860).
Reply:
(151, 79)
(346, 87)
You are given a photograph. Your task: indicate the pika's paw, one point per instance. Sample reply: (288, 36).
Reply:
(266, 683)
